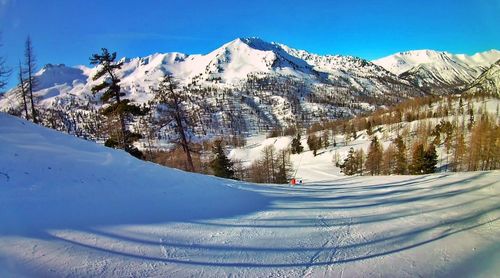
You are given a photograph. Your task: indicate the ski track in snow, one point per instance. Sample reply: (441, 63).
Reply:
(299, 235)
(77, 213)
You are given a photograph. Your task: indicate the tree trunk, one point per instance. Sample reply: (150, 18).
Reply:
(23, 92)
(184, 143)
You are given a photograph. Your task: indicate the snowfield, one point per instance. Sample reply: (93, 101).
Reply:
(73, 208)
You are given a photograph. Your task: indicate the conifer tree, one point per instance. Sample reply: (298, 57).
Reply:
(350, 165)
(118, 109)
(221, 165)
(401, 166)
(374, 157)
(313, 142)
(297, 147)
(430, 160)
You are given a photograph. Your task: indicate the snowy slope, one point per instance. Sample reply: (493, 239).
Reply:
(73, 208)
(429, 68)
(488, 82)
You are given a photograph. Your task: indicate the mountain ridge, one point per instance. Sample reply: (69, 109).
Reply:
(258, 84)
(438, 71)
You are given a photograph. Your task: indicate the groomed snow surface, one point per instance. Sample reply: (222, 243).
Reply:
(72, 208)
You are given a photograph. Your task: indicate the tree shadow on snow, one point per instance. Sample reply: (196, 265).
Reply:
(222, 208)
(129, 206)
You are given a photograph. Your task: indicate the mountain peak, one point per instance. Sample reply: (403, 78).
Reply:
(253, 42)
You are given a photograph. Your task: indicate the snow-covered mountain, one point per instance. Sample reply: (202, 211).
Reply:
(267, 84)
(436, 71)
(488, 81)
(250, 85)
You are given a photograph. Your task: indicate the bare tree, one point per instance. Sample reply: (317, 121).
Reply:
(30, 67)
(4, 73)
(172, 103)
(22, 90)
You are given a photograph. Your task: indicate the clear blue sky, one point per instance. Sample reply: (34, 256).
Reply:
(69, 31)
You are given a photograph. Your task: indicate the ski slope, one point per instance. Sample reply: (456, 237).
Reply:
(73, 208)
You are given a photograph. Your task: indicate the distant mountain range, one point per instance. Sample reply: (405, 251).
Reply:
(438, 72)
(269, 84)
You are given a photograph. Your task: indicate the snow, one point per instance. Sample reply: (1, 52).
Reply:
(443, 66)
(73, 208)
(225, 67)
(255, 145)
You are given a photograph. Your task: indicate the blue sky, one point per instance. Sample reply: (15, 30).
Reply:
(69, 31)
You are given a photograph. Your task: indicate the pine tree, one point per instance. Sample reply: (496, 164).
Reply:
(401, 166)
(118, 108)
(221, 165)
(374, 157)
(296, 145)
(430, 160)
(313, 143)
(350, 164)
(173, 110)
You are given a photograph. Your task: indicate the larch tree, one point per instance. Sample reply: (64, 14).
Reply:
(458, 151)
(30, 68)
(417, 162)
(401, 166)
(22, 91)
(325, 139)
(389, 161)
(4, 73)
(373, 161)
(172, 104)
(484, 145)
(118, 109)
(284, 168)
(359, 156)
